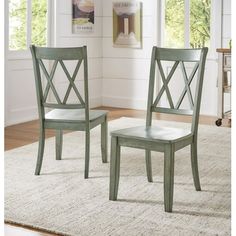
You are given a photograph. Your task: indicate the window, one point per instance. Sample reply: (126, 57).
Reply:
(187, 23)
(174, 23)
(27, 23)
(200, 13)
(17, 24)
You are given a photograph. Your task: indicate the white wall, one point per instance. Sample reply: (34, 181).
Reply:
(117, 76)
(93, 41)
(226, 18)
(126, 70)
(226, 37)
(20, 97)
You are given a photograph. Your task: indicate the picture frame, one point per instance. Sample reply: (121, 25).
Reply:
(127, 24)
(82, 16)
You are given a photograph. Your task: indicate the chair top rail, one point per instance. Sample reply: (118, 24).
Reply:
(187, 55)
(73, 53)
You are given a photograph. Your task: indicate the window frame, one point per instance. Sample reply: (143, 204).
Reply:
(215, 26)
(25, 53)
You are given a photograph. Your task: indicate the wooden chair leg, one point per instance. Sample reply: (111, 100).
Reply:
(58, 144)
(104, 138)
(87, 153)
(114, 169)
(168, 177)
(148, 165)
(194, 164)
(40, 152)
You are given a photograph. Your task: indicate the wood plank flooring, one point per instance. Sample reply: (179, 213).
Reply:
(26, 133)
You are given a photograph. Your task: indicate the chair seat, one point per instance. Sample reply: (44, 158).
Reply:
(153, 133)
(73, 115)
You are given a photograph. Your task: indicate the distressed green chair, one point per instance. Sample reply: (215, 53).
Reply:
(64, 114)
(165, 139)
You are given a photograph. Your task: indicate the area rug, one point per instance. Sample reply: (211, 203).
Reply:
(60, 200)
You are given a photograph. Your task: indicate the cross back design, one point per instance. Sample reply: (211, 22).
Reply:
(71, 79)
(166, 80)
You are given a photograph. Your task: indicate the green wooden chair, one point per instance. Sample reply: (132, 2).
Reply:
(65, 115)
(164, 139)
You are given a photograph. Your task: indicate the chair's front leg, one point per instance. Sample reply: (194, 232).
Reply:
(58, 144)
(114, 168)
(168, 177)
(104, 140)
(87, 153)
(40, 151)
(148, 165)
(195, 166)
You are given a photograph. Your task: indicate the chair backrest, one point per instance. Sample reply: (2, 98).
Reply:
(179, 58)
(56, 57)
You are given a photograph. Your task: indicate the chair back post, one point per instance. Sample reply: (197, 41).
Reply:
(151, 87)
(198, 94)
(86, 95)
(39, 89)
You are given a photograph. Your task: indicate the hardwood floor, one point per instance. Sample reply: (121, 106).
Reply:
(15, 230)
(26, 133)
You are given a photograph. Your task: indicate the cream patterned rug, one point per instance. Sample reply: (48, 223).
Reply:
(62, 201)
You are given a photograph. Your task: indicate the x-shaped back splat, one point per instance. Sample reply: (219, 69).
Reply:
(167, 79)
(71, 85)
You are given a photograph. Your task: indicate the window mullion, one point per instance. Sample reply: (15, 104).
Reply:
(187, 23)
(29, 19)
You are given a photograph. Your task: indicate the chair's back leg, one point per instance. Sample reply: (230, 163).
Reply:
(168, 177)
(104, 140)
(194, 164)
(114, 169)
(40, 151)
(148, 165)
(87, 153)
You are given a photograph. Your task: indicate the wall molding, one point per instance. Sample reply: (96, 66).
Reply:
(95, 102)
(21, 115)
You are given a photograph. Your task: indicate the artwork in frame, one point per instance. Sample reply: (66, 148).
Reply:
(127, 27)
(82, 16)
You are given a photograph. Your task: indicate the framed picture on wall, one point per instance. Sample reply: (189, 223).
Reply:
(82, 16)
(127, 27)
